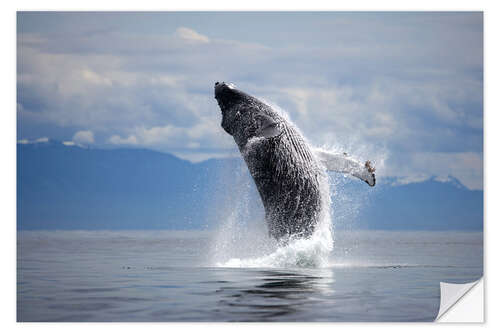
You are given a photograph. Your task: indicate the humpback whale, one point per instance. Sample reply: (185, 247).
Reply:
(286, 170)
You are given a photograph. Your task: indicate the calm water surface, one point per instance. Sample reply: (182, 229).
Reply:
(170, 276)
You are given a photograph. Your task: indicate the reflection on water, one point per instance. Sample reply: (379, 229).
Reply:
(275, 294)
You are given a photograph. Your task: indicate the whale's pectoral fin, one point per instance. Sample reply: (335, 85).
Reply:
(267, 127)
(369, 174)
(345, 164)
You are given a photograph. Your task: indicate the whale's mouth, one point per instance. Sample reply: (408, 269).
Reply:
(220, 87)
(219, 95)
(223, 90)
(227, 95)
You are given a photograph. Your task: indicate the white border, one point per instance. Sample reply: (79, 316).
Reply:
(8, 139)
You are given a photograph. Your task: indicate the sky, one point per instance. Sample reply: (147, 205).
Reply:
(404, 90)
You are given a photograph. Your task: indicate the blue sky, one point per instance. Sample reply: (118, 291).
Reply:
(402, 89)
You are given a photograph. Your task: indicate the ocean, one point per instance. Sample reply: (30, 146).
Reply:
(179, 276)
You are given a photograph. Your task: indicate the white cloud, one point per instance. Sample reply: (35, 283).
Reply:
(409, 179)
(196, 157)
(94, 78)
(201, 135)
(410, 84)
(83, 137)
(39, 140)
(117, 140)
(191, 35)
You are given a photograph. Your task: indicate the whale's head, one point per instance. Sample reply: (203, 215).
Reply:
(234, 105)
(243, 116)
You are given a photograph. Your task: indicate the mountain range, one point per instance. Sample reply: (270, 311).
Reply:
(63, 187)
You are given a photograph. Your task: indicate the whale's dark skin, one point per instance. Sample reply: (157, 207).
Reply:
(282, 164)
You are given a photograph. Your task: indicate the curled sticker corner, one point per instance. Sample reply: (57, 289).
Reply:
(451, 293)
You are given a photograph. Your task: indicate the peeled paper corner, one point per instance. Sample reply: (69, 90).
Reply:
(461, 302)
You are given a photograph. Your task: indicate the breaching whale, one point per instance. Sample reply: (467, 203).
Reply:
(287, 171)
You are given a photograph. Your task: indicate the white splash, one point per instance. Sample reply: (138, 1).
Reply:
(308, 253)
(244, 243)
(254, 248)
